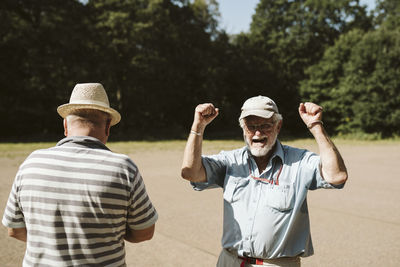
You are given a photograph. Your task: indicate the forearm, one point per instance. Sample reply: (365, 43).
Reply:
(333, 168)
(137, 236)
(18, 233)
(192, 167)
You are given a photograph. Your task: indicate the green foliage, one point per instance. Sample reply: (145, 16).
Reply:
(293, 35)
(161, 55)
(151, 56)
(43, 50)
(358, 83)
(159, 58)
(388, 13)
(322, 86)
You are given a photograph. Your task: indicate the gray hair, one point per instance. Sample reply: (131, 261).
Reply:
(89, 117)
(275, 118)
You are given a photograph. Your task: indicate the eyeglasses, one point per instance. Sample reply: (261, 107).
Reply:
(259, 127)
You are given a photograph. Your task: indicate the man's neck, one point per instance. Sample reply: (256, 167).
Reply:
(88, 132)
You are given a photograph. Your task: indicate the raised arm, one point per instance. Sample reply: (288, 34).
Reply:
(192, 167)
(333, 168)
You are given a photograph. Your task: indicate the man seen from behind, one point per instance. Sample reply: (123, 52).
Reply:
(74, 204)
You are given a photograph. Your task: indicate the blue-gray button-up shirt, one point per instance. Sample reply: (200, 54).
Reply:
(265, 214)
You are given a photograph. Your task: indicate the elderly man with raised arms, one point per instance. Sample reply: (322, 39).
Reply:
(265, 183)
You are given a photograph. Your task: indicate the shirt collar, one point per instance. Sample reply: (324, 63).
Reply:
(278, 151)
(83, 141)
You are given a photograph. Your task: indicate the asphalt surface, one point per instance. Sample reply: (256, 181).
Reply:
(356, 226)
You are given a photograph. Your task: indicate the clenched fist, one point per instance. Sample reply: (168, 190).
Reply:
(310, 113)
(204, 114)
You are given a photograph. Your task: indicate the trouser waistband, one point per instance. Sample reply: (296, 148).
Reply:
(258, 261)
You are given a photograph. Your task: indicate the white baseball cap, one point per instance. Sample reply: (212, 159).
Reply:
(260, 106)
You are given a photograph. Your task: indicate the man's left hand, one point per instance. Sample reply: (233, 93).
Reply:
(310, 112)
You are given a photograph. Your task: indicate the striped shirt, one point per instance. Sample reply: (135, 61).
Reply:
(76, 200)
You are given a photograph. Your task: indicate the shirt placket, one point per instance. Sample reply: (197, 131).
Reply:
(253, 205)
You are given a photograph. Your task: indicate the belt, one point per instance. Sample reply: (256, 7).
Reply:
(258, 261)
(254, 261)
(277, 261)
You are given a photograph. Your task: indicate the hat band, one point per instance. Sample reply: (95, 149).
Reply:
(90, 102)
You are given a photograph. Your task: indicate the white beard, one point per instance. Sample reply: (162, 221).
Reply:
(260, 151)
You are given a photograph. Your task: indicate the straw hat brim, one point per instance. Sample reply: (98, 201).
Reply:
(66, 109)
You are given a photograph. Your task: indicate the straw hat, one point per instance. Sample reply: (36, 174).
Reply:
(89, 96)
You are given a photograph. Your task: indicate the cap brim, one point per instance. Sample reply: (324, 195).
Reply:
(256, 112)
(66, 109)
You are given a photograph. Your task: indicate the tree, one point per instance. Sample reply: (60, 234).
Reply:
(325, 77)
(387, 14)
(44, 50)
(358, 83)
(160, 55)
(293, 35)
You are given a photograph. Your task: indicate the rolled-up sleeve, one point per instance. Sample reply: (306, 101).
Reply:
(215, 167)
(311, 164)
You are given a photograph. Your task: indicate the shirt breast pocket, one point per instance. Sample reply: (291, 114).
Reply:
(280, 197)
(235, 188)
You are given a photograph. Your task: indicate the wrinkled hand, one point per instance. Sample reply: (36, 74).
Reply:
(310, 112)
(204, 114)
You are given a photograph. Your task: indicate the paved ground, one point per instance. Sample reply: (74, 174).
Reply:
(356, 226)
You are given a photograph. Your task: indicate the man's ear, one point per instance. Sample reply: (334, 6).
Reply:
(65, 127)
(107, 129)
(279, 126)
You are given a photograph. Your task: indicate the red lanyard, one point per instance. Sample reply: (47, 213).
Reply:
(270, 180)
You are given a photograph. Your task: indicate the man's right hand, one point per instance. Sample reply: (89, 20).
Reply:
(192, 167)
(204, 114)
